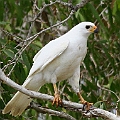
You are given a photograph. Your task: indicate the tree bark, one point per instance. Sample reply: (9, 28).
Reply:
(93, 112)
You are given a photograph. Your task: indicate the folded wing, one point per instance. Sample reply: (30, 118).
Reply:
(47, 54)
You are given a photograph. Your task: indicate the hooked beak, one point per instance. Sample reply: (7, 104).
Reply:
(94, 29)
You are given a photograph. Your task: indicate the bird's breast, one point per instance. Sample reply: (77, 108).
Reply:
(65, 65)
(70, 62)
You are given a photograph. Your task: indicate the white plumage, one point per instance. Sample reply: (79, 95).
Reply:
(59, 60)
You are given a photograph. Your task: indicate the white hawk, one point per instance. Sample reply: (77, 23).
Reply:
(59, 60)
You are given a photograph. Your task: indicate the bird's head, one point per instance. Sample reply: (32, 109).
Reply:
(87, 28)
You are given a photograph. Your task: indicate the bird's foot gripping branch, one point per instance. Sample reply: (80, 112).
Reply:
(93, 112)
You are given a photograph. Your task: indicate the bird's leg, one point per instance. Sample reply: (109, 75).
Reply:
(57, 100)
(84, 102)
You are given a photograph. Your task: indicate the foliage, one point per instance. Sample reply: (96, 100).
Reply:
(101, 66)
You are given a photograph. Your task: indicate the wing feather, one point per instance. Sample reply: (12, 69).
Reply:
(47, 54)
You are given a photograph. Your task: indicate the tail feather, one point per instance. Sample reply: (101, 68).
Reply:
(17, 104)
(20, 101)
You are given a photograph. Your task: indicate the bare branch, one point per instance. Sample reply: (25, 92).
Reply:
(81, 4)
(101, 87)
(66, 104)
(74, 8)
(18, 39)
(42, 9)
(41, 109)
(55, 25)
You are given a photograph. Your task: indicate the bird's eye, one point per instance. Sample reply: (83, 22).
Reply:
(87, 26)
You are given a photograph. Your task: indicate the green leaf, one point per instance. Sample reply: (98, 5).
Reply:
(98, 103)
(79, 16)
(109, 83)
(4, 23)
(40, 2)
(38, 43)
(97, 17)
(9, 53)
(26, 60)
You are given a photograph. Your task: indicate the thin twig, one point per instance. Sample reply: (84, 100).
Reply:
(55, 25)
(101, 87)
(20, 53)
(108, 91)
(10, 34)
